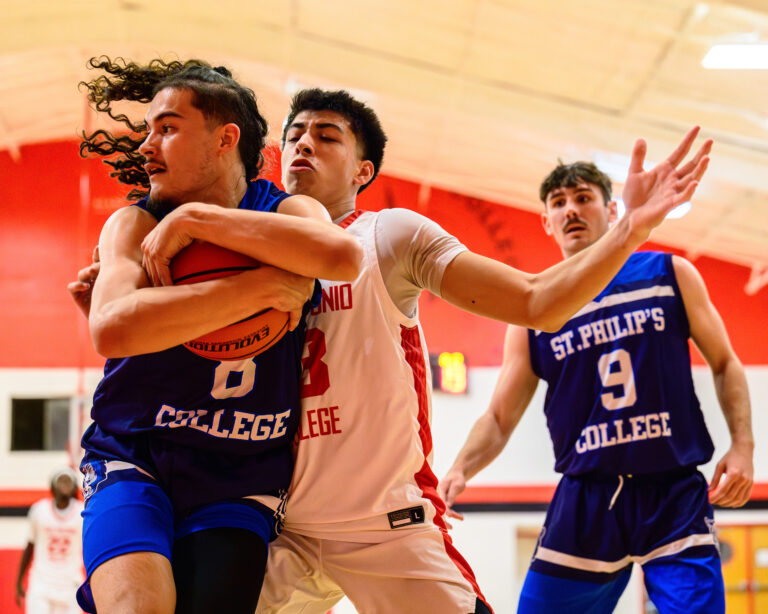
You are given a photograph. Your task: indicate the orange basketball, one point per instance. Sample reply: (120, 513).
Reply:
(202, 261)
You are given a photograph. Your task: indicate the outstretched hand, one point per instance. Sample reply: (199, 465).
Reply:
(650, 195)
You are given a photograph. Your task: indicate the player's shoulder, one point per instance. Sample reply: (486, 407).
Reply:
(263, 195)
(40, 506)
(405, 222)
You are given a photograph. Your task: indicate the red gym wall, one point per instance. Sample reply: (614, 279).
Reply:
(54, 205)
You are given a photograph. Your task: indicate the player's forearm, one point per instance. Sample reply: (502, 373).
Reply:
(154, 319)
(26, 557)
(484, 443)
(309, 247)
(732, 392)
(560, 291)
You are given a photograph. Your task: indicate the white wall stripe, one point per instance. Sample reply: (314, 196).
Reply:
(595, 565)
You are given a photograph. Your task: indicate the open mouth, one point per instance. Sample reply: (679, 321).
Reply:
(153, 169)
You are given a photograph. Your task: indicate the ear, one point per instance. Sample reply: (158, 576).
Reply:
(229, 137)
(364, 173)
(545, 222)
(613, 212)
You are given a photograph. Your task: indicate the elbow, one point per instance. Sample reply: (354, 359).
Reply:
(107, 336)
(345, 260)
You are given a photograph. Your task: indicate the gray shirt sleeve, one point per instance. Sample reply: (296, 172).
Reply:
(413, 252)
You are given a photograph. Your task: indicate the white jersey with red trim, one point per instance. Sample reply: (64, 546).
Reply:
(57, 563)
(364, 445)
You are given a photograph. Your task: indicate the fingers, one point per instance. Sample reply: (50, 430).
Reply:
(452, 513)
(638, 156)
(734, 492)
(704, 150)
(95, 256)
(164, 274)
(684, 147)
(719, 470)
(294, 318)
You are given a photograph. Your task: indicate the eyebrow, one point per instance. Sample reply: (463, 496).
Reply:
(319, 126)
(560, 191)
(163, 115)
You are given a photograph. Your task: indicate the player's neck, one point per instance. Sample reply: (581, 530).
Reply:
(341, 208)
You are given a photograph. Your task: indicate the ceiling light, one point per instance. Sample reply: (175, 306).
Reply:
(737, 56)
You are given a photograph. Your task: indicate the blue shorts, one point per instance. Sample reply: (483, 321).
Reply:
(127, 511)
(597, 526)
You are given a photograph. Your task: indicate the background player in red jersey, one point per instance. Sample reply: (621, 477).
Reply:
(55, 550)
(646, 462)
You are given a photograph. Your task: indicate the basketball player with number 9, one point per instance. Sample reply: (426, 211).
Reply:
(625, 424)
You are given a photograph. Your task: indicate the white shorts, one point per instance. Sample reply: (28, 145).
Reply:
(40, 603)
(419, 573)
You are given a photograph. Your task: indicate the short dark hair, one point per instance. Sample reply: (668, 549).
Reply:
(215, 93)
(571, 175)
(365, 124)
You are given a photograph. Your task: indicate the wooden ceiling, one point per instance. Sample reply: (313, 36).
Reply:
(477, 96)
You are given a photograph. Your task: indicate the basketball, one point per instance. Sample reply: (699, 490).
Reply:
(202, 261)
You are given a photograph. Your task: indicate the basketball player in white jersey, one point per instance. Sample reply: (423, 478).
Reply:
(364, 518)
(55, 550)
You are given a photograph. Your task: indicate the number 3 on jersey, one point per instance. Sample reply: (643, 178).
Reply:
(615, 369)
(316, 379)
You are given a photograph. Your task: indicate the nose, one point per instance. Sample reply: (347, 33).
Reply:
(147, 147)
(305, 144)
(571, 211)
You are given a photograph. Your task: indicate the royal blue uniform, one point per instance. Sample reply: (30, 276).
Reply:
(628, 433)
(179, 441)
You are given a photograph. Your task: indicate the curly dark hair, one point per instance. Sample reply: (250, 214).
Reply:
(365, 124)
(215, 93)
(571, 175)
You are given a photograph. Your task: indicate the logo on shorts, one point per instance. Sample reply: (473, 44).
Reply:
(93, 474)
(406, 517)
(710, 522)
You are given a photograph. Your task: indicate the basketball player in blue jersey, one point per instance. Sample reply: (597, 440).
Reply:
(188, 459)
(625, 424)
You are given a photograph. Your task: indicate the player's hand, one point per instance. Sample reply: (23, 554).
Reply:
(166, 240)
(20, 595)
(450, 487)
(650, 195)
(734, 475)
(287, 291)
(81, 290)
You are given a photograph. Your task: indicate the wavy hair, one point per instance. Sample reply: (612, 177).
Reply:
(215, 93)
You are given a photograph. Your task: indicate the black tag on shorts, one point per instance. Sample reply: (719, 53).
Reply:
(406, 517)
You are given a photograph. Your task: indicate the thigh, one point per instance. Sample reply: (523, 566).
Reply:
(544, 594)
(691, 581)
(295, 582)
(219, 569)
(418, 573)
(130, 522)
(134, 583)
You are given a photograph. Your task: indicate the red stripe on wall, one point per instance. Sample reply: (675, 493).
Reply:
(425, 478)
(532, 493)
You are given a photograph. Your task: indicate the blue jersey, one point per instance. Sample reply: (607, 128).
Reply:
(620, 398)
(148, 407)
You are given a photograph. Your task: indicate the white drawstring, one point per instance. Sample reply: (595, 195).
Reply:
(618, 490)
